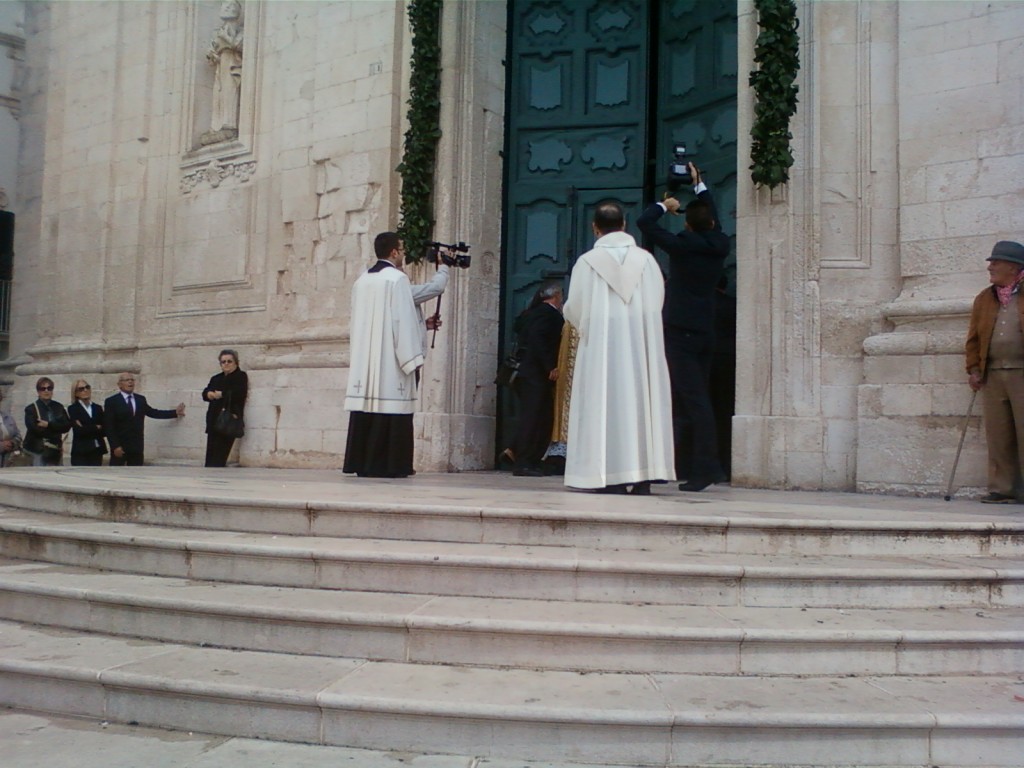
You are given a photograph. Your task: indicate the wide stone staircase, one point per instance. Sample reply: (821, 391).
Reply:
(460, 614)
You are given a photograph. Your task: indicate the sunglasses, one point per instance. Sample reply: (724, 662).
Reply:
(225, 362)
(82, 389)
(44, 389)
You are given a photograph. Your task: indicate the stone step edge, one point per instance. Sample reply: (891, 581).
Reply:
(723, 522)
(527, 561)
(323, 700)
(573, 629)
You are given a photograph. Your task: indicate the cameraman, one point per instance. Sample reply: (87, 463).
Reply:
(696, 260)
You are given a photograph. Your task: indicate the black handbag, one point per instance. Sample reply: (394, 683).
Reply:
(227, 424)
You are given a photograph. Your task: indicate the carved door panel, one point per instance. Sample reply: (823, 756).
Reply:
(696, 99)
(597, 90)
(576, 134)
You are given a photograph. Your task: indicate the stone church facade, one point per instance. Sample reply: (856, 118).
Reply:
(201, 175)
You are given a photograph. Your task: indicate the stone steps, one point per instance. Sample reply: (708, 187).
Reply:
(533, 634)
(515, 626)
(626, 718)
(665, 576)
(695, 524)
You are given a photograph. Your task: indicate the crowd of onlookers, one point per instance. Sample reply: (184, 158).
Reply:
(117, 426)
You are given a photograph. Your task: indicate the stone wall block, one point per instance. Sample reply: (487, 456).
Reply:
(804, 470)
(839, 399)
(945, 368)
(928, 117)
(906, 400)
(869, 401)
(893, 369)
(945, 256)
(922, 222)
(997, 215)
(1000, 142)
(952, 399)
(805, 435)
(950, 70)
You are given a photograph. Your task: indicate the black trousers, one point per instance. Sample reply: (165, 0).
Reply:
(689, 355)
(536, 416)
(217, 449)
(86, 459)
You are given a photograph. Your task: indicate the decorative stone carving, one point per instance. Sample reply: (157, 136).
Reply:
(225, 54)
(217, 172)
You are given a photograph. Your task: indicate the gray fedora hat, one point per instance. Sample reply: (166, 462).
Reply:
(1007, 250)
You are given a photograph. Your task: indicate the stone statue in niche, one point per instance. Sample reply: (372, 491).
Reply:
(225, 54)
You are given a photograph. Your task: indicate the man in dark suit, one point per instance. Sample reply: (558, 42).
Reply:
(124, 417)
(696, 259)
(539, 332)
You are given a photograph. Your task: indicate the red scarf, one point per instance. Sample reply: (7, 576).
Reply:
(1005, 292)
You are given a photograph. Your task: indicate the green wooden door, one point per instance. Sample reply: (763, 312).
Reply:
(591, 114)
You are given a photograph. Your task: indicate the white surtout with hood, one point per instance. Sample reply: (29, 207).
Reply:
(620, 412)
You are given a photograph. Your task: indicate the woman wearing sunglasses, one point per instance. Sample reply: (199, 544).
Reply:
(226, 392)
(88, 445)
(46, 423)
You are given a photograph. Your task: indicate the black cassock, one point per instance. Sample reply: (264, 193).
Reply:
(379, 444)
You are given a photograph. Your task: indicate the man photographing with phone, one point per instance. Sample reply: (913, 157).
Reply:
(696, 258)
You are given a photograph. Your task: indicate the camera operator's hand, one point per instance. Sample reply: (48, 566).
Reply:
(671, 204)
(695, 173)
(433, 323)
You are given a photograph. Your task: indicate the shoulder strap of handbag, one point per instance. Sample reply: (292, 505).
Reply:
(40, 418)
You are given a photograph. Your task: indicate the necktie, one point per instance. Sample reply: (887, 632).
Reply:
(131, 402)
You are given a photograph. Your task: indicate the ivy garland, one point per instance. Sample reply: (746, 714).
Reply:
(777, 54)
(420, 153)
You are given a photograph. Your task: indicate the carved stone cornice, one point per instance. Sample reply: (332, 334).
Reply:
(217, 172)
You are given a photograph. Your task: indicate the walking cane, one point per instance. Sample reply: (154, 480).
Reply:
(963, 434)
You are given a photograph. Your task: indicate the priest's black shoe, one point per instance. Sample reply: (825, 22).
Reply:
(528, 472)
(620, 489)
(696, 485)
(640, 489)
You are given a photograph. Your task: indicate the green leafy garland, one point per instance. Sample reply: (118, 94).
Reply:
(419, 157)
(777, 55)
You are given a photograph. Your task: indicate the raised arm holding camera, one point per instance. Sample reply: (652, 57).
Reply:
(696, 259)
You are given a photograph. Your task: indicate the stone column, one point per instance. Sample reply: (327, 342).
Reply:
(455, 429)
(816, 256)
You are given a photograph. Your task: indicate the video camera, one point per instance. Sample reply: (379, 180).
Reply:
(679, 175)
(449, 254)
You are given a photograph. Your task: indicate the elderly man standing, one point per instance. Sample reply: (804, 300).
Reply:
(386, 354)
(620, 412)
(124, 422)
(995, 365)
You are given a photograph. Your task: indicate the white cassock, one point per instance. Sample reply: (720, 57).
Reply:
(620, 411)
(386, 344)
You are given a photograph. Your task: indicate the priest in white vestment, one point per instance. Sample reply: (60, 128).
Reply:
(387, 349)
(620, 411)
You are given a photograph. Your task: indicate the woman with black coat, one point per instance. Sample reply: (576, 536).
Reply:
(226, 391)
(46, 423)
(88, 444)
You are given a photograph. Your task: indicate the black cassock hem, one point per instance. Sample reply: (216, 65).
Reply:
(379, 445)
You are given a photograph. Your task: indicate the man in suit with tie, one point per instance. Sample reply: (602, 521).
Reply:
(124, 417)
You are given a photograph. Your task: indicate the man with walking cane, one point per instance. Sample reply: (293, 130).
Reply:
(995, 366)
